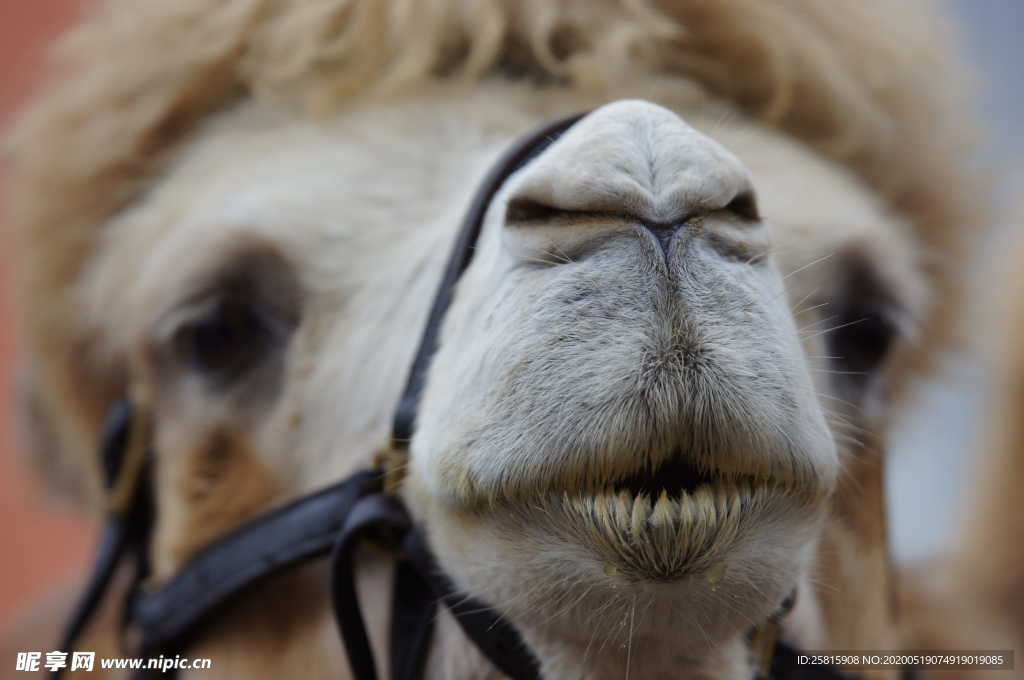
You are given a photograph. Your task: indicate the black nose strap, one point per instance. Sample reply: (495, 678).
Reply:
(521, 153)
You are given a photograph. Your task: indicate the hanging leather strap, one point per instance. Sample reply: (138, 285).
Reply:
(492, 634)
(383, 518)
(518, 155)
(413, 613)
(420, 585)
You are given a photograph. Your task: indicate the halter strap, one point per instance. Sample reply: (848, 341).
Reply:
(299, 532)
(419, 586)
(492, 633)
(521, 153)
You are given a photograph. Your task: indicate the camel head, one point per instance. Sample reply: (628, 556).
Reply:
(676, 331)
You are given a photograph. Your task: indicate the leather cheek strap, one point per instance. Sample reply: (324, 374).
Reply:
(515, 157)
(169, 615)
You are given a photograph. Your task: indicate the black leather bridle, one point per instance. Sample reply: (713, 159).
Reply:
(167, 618)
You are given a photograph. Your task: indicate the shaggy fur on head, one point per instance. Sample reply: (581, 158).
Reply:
(869, 84)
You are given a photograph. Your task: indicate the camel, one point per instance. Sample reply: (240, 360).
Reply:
(660, 400)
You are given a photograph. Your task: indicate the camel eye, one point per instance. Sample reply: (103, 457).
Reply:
(238, 322)
(866, 326)
(860, 344)
(227, 339)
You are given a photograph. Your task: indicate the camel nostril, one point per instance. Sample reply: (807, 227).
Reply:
(663, 234)
(529, 210)
(745, 205)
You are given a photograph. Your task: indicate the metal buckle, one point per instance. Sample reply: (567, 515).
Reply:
(392, 460)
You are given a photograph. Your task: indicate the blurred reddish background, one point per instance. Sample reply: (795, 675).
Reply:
(42, 543)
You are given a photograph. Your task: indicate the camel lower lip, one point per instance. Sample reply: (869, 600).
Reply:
(668, 537)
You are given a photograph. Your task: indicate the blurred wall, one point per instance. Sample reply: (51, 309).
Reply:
(936, 450)
(991, 32)
(41, 543)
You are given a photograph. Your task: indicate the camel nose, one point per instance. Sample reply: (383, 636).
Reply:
(627, 164)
